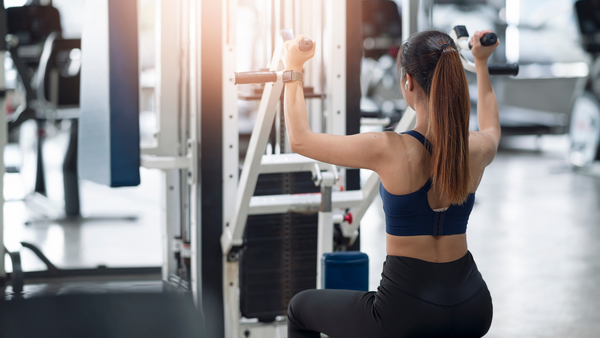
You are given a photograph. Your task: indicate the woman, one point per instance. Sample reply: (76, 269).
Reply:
(430, 285)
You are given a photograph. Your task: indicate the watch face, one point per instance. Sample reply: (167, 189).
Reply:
(287, 76)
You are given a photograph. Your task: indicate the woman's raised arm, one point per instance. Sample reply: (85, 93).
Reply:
(364, 150)
(487, 105)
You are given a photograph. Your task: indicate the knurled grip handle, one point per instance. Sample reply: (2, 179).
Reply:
(503, 68)
(254, 77)
(306, 45)
(487, 40)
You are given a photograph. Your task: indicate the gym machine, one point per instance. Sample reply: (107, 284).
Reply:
(34, 41)
(271, 230)
(216, 218)
(584, 127)
(54, 96)
(236, 245)
(3, 139)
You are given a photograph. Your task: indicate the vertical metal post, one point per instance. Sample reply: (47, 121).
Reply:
(210, 181)
(171, 219)
(3, 136)
(3, 139)
(425, 15)
(169, 26)
(231, 298)
(230, 150)
(410, 15)
(186, 138)
(310, 23)
(195, 197)
(230, 135)
(335, 63)
(354, 48)
(325, 227)
(168, 61)
(336, 67)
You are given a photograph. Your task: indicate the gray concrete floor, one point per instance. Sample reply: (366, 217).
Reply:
(103, 240)
(534, 233)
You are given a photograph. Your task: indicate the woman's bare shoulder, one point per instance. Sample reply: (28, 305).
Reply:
(482, 147)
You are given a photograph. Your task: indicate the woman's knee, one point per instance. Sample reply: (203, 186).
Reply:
(298, 302)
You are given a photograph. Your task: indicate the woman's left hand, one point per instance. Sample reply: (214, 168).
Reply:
(293, 57)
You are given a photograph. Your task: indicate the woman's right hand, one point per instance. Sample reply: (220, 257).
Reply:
(293, 57)
(481, 53)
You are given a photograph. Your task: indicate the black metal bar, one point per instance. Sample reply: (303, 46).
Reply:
(70, 176)
(503, 69)
(17, 277)
(354, 52)
(100, 271)
(40, 176)
(25, 112)
(23, 72)
(210, 183)
(52, 270)
(2, 29)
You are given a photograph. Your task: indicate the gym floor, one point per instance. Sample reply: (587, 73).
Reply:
(534, 233)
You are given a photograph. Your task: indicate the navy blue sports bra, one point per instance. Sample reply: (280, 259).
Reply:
(411, 215)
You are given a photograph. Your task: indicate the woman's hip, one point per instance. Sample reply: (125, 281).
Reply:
(444, 284)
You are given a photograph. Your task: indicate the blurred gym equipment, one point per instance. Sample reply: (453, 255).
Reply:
(584, 126)
(381, 101)
(52, 96)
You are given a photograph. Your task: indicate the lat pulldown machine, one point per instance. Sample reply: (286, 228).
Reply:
(324, 175)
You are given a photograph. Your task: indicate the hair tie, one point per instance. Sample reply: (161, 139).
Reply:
(444, 46)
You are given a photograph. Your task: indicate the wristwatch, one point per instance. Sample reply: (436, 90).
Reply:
(292, 75)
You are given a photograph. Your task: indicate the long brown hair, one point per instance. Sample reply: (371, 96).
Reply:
(432, 58)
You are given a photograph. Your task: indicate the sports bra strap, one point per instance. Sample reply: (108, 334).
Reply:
(427, 185)
(421, 139)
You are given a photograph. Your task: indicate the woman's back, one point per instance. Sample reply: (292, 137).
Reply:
(408, 170)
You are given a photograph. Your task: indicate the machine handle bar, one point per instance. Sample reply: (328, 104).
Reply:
(503, 69)
(268, 76)
(460, 35)
(490, 39)
(254, 77)
(305, 45)
(487, 40)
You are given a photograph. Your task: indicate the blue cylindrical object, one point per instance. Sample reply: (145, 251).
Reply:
(346, 270)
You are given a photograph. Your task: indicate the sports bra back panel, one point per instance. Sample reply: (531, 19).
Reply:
(411, 214)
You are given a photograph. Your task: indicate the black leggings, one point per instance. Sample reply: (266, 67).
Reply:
(415, 299)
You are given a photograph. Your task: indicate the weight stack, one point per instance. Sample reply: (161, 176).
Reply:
(280, 254)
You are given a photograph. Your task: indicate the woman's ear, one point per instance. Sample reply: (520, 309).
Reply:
(409, 85)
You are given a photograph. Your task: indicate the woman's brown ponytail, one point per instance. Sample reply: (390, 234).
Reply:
(448, 132)
(432, 59)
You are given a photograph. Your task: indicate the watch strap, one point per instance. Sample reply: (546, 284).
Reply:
(292, 75)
